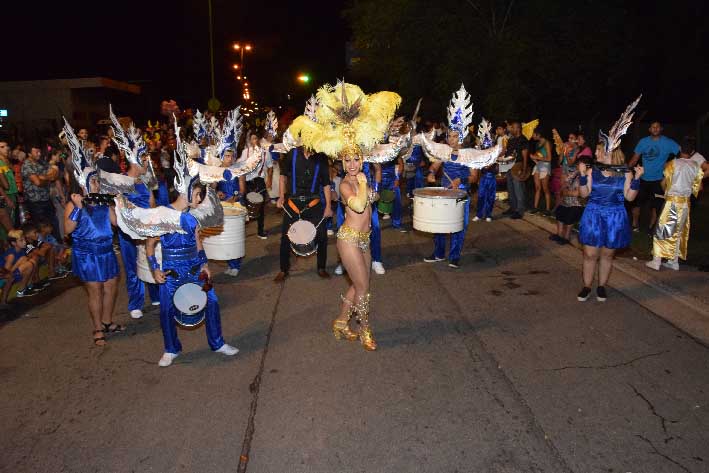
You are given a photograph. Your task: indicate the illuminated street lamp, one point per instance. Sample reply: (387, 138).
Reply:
(303, 78)
(236, 67)
(241, 49)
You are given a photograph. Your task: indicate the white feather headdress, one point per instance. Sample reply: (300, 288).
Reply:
(460, 113)
(199, 126)
(82, 171)
(612, 140)
(129, 141)
(271, 124)
(484, 136)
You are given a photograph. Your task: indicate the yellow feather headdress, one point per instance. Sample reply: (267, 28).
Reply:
(348, 121)
(528, 128)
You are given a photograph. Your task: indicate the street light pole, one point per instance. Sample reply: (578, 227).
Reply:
(211, 49)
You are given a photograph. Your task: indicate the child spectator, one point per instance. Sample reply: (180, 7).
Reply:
(40, 253)
(569, 211)
(61, 252)
(17, 267)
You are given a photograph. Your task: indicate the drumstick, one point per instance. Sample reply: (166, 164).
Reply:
(287, 212)
(446, 174)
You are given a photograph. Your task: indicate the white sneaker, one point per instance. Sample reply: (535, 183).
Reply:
(338, 270)
(653, 264)
(378, 267)
(155, 303)
(476, 219)
(167, 358)
(488, 219)
(232, 272)
(671, 264)
(136, 314)
(386, 217)
(330, 232)
(227, 350)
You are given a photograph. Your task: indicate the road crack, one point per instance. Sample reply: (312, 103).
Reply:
(605, 367)
(659, 453)
(663, 420)
(255, 388)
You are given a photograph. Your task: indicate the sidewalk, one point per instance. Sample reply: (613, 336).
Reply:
(679, 297)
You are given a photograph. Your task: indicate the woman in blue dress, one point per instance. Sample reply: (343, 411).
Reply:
(604, 226)
(93, 260)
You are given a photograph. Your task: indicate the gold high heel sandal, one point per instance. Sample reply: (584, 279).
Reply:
(341, 328)
(366, 337)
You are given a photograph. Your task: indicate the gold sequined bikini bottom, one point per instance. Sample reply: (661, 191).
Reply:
(354, 237)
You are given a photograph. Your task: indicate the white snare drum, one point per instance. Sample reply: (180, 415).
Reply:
(302, 238)
(190, 300)
(254, 204)
(439, 210)
(228, 241)
(142, 267)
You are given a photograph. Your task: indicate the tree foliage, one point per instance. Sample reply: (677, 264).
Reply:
(519, 58)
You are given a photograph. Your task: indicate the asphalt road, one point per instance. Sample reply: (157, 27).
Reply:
(494, 367)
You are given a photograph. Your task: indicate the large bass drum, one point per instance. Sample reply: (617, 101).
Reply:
(142, 267)
(439, 210)
(228, 241)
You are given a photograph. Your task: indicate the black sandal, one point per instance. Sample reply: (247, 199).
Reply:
(112, 327)
(100, 341)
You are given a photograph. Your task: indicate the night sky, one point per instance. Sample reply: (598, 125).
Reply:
(164, 46)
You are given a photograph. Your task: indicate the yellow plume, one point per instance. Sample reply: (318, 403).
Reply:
(528, 128)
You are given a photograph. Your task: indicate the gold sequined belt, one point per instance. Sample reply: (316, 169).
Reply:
(677, 199)
(354, 237)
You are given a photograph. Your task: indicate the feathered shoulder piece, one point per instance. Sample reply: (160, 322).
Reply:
(612, 140)
(82, 169)
(558, 142)
(129, 141)
(470, 157)
(139, 223)
(528, 128)
(460, 112)
(347, 120)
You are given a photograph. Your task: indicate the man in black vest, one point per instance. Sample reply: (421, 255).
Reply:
(304, 173)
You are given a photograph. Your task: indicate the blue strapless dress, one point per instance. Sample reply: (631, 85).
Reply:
(92, 255)
(605, 221)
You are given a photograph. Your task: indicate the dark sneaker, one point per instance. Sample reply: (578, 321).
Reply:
(401, 229)
(563, 241)
(533, 211)
(262, 236)
(601, 295)
(516, 216)
(43, 283)
(508, 212)
(554, 237)
(454, 263)
(58, 276)
(26, 292)
(432, 259)
(583, 295)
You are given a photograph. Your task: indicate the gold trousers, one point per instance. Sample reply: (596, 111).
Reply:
(672, 229)
(354, 237)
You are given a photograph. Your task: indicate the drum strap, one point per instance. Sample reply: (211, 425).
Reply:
(310, 205)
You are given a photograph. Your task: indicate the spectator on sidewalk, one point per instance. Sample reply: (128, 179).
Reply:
(569, 211)
(36, 178)
(682, 178)
(652, 152)
(104, 160)
(18, 267)
(517, 146)
(8, 185)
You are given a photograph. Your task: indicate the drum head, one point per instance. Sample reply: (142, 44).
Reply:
(440, 193)
(302, 232)
(254, 197)
(190, 299)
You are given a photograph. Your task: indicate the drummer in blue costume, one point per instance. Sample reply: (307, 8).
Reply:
(487, 184)
(183, 258)
(414, 160)
(457, 163)
(390, 178)
(93, 259)
(604, 226)
(134, 189)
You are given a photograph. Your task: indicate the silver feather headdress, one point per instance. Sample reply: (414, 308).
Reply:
(83, 172)
(460, 113)
(129, 141)
(311, 108)
(271, 124)
(199, 126)
(612, 140)
(183, 180)
(484, 134)
(230, 133)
